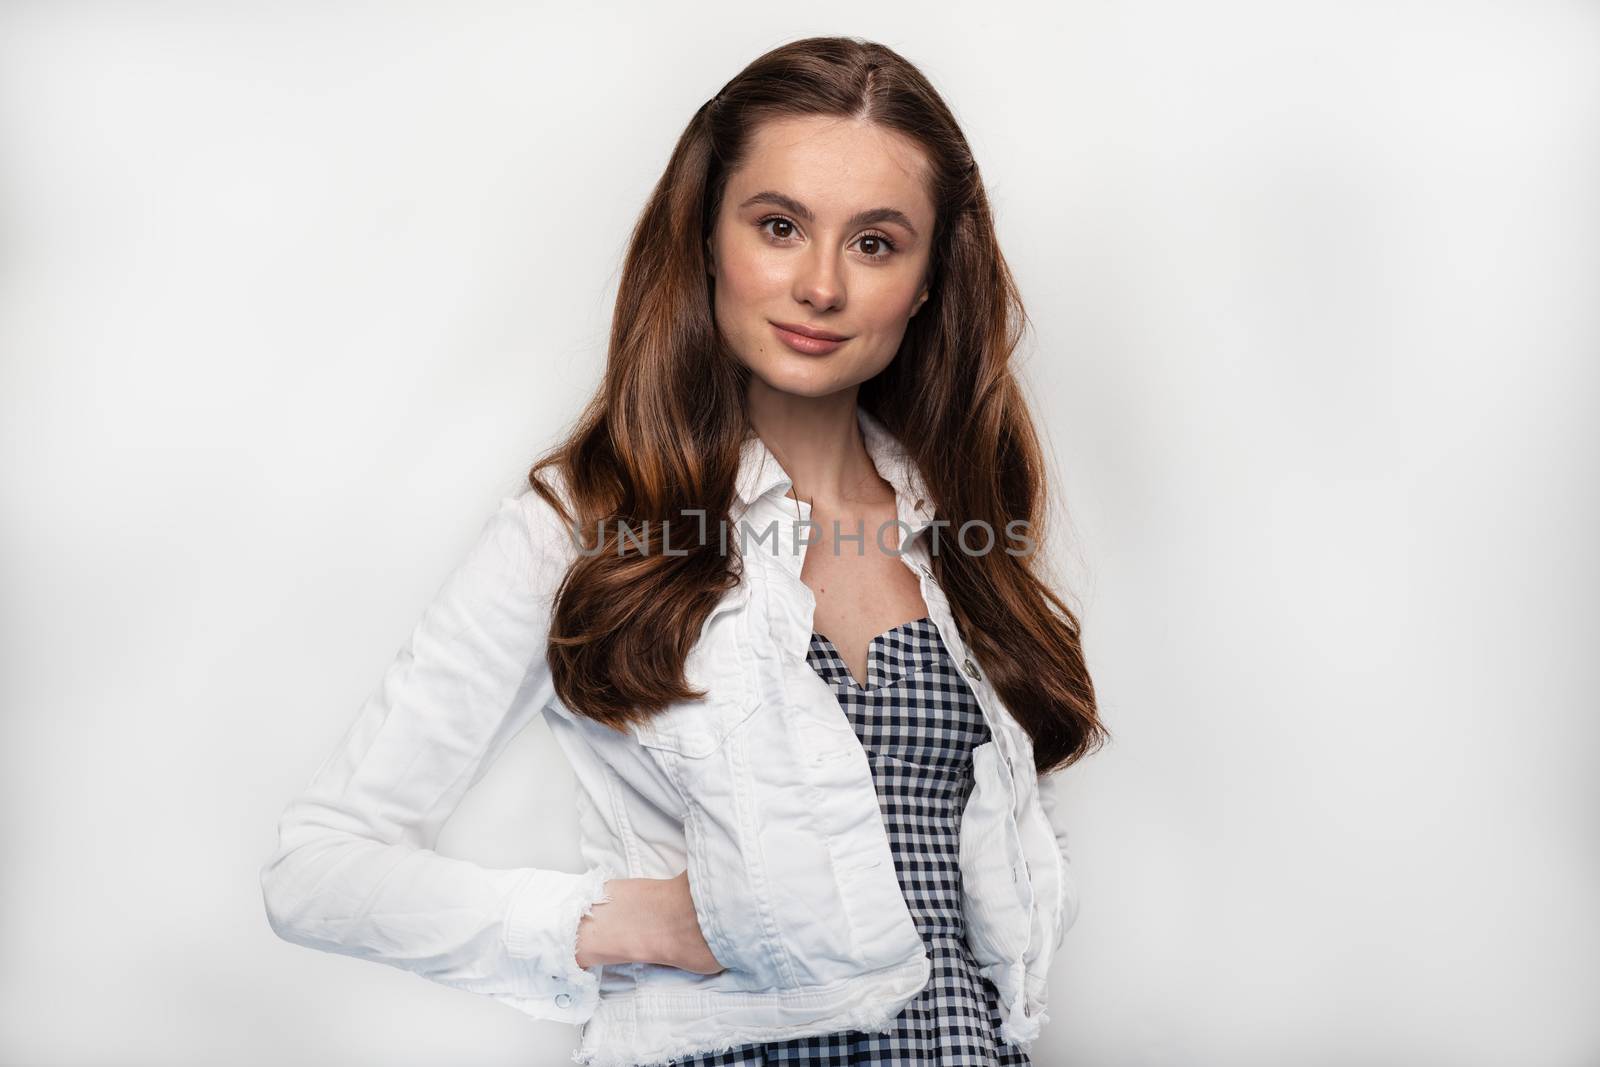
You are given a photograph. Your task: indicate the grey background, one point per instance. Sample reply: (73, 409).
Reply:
(289, 295)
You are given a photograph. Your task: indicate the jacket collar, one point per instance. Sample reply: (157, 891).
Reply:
(761, 475)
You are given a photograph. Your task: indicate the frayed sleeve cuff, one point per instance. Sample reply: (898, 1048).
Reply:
(541, 937)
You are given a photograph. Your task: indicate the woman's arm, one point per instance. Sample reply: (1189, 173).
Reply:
(355, 872)
(649, 920)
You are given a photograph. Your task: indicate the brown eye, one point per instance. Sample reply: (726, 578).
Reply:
(876, 246)
(777, 220)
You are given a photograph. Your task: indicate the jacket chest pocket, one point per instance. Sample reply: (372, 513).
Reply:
(997, 894)
(699, 748)
(696, 729)
(718, 665)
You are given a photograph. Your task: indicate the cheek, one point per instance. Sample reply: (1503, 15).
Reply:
(890, 306)
(745, 274)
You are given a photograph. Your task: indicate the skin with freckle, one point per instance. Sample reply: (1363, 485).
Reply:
(768, 265)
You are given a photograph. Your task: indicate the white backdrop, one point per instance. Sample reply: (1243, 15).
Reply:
(291, 294)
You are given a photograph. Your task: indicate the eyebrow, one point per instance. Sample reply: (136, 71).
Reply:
(860, 218)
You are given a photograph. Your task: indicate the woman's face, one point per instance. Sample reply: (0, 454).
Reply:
(826, 226)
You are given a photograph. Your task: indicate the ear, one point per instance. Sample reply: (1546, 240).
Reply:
(922, 298)
(711, 259)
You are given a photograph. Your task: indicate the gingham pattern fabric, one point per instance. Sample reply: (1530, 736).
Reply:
(919, 723)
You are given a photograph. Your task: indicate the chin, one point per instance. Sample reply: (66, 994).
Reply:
(811, 388)
(803, 376)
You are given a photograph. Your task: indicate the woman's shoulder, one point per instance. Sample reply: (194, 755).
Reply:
(549, 505)
(527, 536)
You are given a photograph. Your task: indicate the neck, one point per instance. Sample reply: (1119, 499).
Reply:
(818, 441)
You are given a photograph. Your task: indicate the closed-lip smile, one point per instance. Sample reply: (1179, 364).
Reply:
(810, 331)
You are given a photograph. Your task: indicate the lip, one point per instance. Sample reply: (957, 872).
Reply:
(810, 331)
(808, 339)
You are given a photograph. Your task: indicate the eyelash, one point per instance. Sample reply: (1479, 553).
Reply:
(884, 238)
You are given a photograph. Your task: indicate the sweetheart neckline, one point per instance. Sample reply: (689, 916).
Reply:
(872, 644)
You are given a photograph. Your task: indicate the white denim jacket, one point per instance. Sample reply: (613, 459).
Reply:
(761, 791)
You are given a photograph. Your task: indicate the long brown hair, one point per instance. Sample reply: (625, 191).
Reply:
(662, 436)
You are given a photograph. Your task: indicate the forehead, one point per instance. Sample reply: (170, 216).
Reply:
(835, 166)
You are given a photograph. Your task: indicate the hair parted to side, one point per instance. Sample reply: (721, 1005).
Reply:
(662, 436)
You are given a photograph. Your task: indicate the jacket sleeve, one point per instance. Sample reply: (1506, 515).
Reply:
(1050, 786)
(355, 871)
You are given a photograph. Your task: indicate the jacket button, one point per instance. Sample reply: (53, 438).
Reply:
(563, 999)
(972, 669)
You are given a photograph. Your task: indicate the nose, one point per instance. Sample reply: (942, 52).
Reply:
(818, 280)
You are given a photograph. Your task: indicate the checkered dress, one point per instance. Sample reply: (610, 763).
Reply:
(919, 723)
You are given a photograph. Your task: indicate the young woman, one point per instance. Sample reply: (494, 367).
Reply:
(778, 600)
